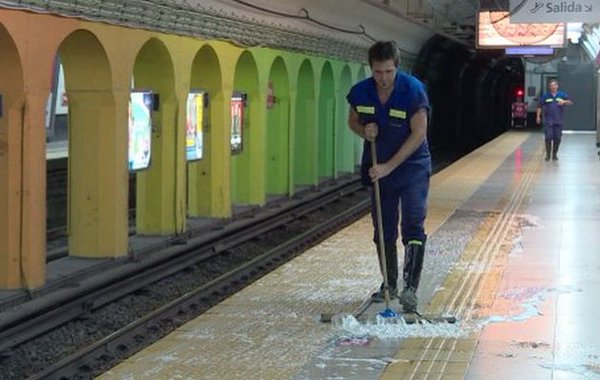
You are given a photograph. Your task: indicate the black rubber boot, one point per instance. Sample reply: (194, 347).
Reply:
(391, 261)
(548, 148)
(555, 150)
(413, 265)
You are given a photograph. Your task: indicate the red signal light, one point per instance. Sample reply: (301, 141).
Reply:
(519, 92)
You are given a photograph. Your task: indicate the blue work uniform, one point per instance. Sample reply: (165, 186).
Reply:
(553, 114)
(407, 185)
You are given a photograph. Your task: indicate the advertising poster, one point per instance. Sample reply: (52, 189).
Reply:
(237, 121)
(194, 126)
(140, 130)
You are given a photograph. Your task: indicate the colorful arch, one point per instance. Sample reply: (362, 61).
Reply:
(245, 166)
(12, 93)
(99, 66)
(327, 104)
(204, 174)
(305, 132)
(155, 196)
(277, 132)
(345, 136)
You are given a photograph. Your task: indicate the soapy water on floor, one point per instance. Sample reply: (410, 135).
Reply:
(346, 326)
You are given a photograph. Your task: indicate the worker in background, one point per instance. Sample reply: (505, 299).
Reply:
(551, 110)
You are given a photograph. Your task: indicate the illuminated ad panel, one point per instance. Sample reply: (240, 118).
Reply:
(140, 129)
(237, 121)
(494, 30)
(194, 126)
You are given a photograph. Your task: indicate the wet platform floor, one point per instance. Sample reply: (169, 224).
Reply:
(513, 253)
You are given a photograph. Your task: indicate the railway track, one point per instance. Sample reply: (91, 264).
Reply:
(300, 222)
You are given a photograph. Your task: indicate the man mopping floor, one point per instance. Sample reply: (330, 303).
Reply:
(390, 112)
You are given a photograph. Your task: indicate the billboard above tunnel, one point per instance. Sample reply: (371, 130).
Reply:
(495, 31)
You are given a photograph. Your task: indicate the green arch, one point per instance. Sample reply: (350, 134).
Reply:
(246, 80)
(155, 195)
(327, 104)
(205, 76)
(358, 142)
(277, 133)
(345, 152)
(305, 136)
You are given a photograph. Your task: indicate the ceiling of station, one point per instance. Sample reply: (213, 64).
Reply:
(452, 10)
(409, 22)
(339, 28)
(456, 18)
(355, 21)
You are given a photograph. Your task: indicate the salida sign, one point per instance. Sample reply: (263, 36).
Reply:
(536, 11)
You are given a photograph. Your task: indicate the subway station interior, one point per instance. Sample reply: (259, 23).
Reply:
(181, 195)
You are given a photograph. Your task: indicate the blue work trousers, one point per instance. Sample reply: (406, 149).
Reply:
(411, 199)
(553, 131)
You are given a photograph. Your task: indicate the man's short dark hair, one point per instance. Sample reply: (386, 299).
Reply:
(550, 81)
(382, 51)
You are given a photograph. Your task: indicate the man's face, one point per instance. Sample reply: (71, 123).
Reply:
(384, 73)
(553, 86)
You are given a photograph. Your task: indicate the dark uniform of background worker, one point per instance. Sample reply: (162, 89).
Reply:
(551, 107)
(391, 108)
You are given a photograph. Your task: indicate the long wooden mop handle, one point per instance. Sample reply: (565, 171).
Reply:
(386, 290)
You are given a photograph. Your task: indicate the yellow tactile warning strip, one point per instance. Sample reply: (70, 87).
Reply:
(469, 290)
(270, 330)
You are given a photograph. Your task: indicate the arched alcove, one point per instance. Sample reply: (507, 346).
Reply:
(155, 189)
(206, 77)
(11, 130)
(245, 85)
(327, 104)
(345, 152)
(358, 142)
(278, 130)
(305, 133)
(96, 193)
